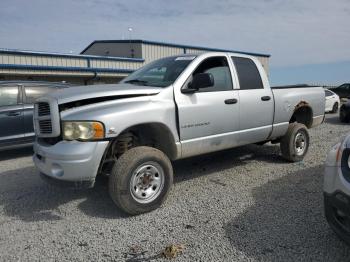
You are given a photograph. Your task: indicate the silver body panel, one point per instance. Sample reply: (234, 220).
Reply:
(333, 177)
(79, 93)
(205, 122)
(79, 163)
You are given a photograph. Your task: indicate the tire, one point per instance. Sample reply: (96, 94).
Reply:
(331, 217)
(140, 180)
(335, 108)
(295, 143)
(342, 115)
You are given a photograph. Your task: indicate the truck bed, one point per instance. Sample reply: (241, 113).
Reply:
(288, 99)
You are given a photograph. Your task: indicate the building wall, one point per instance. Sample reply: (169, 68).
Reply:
(265, 63)
(77, 69)
(132, 50)
(40, 60)
(93, 66)
(152, 52)
(99, 63)
(31, 59)
(60, 76)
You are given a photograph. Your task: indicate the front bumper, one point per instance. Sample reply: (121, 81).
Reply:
(70, 161)
(333, 177)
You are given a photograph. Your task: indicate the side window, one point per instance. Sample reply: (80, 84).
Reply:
(328, 93)
(34, 92)
(218, 67)
(343, 88)
(8, 95)
(248, 74)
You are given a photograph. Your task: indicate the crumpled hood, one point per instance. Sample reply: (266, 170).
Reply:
(78, 93)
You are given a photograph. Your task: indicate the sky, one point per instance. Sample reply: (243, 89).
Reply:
(309, 41)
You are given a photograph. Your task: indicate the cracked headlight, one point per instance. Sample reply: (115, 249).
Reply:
(84, 130)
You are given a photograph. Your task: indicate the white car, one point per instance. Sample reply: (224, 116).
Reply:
(332, 101)
(337, 189)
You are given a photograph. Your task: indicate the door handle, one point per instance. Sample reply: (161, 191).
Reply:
(13, 113)
(265, 98)
(231, 101)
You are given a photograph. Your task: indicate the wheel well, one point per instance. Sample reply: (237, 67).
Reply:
(302, 114)
(156, 135)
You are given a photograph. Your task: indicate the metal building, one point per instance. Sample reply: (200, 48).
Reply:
(78, 69)
(103, 61)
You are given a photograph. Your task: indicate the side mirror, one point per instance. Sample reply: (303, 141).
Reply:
(201, 80)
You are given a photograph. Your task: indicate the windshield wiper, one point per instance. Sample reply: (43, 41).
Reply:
(136, 81)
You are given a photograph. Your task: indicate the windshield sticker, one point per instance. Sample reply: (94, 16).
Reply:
(185, 58)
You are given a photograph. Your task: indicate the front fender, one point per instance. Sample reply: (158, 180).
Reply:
(118, 115)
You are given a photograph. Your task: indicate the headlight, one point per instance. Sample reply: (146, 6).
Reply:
(82, 130)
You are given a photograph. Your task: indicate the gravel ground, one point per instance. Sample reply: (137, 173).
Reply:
(242, 204)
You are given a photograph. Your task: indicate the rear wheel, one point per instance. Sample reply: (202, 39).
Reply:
(295, 143)
(335, 108)
(140, 180)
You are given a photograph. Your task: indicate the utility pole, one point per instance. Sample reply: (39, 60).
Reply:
(130, 43)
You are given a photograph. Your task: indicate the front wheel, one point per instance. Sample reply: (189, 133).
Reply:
(295, 143)
(140, 180)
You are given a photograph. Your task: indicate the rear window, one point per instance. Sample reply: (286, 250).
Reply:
(248, 74)
(328, 93)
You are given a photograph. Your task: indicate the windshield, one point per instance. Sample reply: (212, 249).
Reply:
(162, 72)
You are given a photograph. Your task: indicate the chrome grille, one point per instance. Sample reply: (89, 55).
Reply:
(45, 126)
(46, 118)
(43, 109)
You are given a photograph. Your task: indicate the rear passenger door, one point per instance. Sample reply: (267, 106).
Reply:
(256, 102)
(11, 115)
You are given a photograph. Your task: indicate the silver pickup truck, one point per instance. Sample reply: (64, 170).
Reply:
(170, 109)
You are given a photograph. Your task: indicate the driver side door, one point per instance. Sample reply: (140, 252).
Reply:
(209, 117)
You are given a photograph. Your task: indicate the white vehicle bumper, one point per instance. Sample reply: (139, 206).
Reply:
(333, 178)
(70, 161)
(337, 194)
